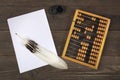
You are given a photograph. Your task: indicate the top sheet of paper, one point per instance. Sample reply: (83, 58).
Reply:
(34, 26)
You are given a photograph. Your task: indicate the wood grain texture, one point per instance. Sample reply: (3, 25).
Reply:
(109, 68)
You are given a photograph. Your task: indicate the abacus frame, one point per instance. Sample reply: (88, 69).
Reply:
(69, 36)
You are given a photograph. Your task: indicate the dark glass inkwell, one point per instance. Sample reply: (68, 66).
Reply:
(56, 9)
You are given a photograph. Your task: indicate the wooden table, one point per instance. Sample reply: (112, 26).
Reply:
(109, 68)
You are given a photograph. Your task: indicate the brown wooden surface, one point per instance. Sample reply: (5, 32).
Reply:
(109, 68)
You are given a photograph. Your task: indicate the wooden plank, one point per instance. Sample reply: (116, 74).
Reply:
(75, 74)
(33, 75)
(55, 74)
(83, 77)
(21, 9)
(111, 47)
(71, 74)
(12, 75)
(108, 65)
(64, 2)
(56, 25)
(14, 11)
(8, 64)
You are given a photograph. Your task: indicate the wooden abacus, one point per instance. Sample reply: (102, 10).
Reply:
(86, 39)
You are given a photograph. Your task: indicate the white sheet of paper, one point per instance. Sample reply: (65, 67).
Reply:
(34, 26)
